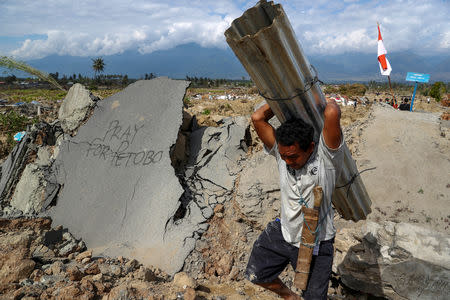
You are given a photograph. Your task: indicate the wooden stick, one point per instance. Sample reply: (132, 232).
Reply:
(305, 251)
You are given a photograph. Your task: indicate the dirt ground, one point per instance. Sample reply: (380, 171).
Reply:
(411, 153)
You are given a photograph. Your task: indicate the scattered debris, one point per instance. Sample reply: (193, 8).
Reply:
(18, 136)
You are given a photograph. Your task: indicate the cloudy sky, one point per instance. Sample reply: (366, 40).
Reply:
(33, 29)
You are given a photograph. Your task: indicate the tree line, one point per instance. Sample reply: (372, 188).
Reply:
(207, 82)
(437, 90)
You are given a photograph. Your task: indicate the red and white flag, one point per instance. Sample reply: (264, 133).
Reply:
(385, 66)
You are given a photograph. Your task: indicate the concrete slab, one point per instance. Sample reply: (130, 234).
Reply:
(120, 190)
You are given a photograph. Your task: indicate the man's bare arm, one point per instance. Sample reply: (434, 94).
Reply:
(332, 125)
(265, 131)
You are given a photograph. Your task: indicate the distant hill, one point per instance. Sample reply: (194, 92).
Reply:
(194, 60)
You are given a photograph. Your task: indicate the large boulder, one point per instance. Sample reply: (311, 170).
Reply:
(75, 107)
(394, 260)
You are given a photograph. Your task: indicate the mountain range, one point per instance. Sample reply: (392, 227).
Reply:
(194, 60)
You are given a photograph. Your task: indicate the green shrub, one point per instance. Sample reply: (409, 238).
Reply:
(186, 101)
(437, 90)
(206, 111)
(11, 123)
(356, 89)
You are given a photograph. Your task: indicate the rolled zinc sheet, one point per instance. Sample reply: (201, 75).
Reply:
(265, 43)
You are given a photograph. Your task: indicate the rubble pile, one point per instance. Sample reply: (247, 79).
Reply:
(38, 262)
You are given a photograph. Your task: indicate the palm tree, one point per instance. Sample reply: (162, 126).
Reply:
(98, 64)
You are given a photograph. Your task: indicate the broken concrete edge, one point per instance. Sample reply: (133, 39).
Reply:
(187, 170)
(393, 260)
(24, 153)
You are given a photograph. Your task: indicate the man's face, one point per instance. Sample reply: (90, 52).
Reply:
(294, 156)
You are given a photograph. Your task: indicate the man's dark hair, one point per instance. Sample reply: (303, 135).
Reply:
(295, 131)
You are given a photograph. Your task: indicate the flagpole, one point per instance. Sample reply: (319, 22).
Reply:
(392, 93)
(394, 101)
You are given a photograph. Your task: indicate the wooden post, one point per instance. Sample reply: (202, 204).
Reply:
(392, 93)
(305, 251)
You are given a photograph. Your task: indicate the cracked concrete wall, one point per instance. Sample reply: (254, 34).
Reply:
(121, 193)
(120, 189)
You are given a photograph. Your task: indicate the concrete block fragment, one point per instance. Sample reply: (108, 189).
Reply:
(30, 190)
(121, 191)
(75, 107)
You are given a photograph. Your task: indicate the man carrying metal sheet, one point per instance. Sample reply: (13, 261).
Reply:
(302, 165)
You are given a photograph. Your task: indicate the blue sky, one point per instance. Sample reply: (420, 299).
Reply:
(35, 29)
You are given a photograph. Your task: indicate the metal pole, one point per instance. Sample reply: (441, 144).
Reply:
(414, 94)
(394, 101)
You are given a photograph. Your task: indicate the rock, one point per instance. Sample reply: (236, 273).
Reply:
(87, 284)
(56, 268)
(130, 290)
(74, 273)
(73, 291)
(224, 265)
(182, 280)
(85, 260)
(145, 274)
(97, 277)
(43, 253)
(69, 247)
(110, 270)
(83, 255)
(131, 265)
(36, 274)
(14, 270)
(92, 269)
(15, 264)
(189, 294)
(36, 224)
(75, 107)
(395, 260)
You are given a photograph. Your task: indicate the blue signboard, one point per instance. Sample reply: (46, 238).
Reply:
(417, 77)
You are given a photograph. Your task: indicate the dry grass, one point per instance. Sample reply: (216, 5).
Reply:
(209, 112)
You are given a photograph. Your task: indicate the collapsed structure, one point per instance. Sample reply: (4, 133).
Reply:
(137, 179)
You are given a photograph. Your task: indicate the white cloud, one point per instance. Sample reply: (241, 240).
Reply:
(88, 28)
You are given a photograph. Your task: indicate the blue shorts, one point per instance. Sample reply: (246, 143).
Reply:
(271, 254)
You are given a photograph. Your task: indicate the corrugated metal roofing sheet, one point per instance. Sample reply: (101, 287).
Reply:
(263, 40)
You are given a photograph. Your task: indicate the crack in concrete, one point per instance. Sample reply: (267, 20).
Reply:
(208, 159)
(127, 200)
(207, 180)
